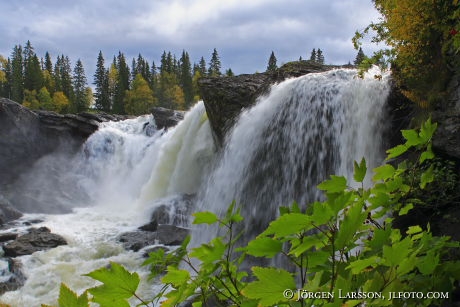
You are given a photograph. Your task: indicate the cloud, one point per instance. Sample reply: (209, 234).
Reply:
(243, 31)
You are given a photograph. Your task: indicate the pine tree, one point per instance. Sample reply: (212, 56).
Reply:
(16, 76)
(271, 67)
(66, 78)
(186, 78)
(101, 82)
(359, 57)
(214, 65)
(319, 57)
(229, 73)
(81, 100)
(313, 55)
(202, 65)
(33, 75)
(122, 84)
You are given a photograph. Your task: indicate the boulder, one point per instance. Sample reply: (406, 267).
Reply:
(166, 118)
(165, 234)
(11, 275)
(36, 239)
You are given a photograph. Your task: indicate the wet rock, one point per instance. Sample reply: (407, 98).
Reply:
(166, 118)
(11, 275)
(36, 239)
(165, 234)
(7, 212)
(152, 226)
(9, 236)
(173, 210)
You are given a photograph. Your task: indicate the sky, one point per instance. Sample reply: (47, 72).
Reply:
(244, 32)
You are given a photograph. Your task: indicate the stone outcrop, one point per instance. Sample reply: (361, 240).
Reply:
(447, 115)
(36, 239)
(225, 97)
(7, 212)
(12, 275)
(163, 234)
(166, 118)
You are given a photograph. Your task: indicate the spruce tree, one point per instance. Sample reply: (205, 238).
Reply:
(122, 84)
(271, 67)
(186, 78)
(101, 82)
(79, 85)
(359, 57)
(33, 75)
(16, 76)
(313, 55)
(214, 65)
(202, 65)
(319, 57)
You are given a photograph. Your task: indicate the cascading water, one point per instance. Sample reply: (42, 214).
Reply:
(304, 130)
(110, 172)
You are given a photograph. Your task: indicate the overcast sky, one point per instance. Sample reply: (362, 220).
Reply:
(244, 32)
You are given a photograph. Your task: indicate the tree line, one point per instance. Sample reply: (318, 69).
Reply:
(38, 83)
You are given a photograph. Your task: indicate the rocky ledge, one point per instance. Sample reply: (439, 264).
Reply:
(225, 97)
(35, 240)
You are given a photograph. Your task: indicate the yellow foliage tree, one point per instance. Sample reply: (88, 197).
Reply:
(31, 100)
(3, 64)
(139, 100)
(60, 102)
(423, 35)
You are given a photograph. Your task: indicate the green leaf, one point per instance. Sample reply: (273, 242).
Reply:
(426, 131)
(334, 185)
(353, 220)
(205, 217)
(358, 266)
(270, 286)
(118, 286)
(414, 229)
(360, 170)
(396, 253)
(427, 177)
(68, 298)
(209, 253)
(396, 151)
(288, 224)
(427, 264)
(412, 138)
(176, 277)
(404, 210)
(383, 172)
(264, 247)
(427, 154)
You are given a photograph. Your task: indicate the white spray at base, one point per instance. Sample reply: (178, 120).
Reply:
(111, 169)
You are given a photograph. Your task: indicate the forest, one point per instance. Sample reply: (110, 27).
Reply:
(38, 83)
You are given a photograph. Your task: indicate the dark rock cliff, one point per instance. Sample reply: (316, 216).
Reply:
(225, 97)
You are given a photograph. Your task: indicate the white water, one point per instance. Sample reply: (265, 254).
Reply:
(111, 170)
(304, 130)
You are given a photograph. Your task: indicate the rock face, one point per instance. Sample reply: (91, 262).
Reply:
(225, 97)
(12, 275)
(163, 234)
(447, 115)
(36, 240)
(7, 212)
(166, 118)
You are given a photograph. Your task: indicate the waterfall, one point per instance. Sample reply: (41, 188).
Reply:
(298, 134)
(119, 176)
(304, 130)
